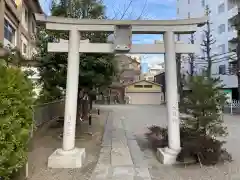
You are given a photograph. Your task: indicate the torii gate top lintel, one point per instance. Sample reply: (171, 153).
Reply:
(181, 26)
(123, 37)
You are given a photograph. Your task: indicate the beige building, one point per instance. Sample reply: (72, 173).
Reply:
(144, 92)
(18, 25)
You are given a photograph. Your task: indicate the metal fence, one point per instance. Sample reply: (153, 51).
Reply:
(232, 107)
(48, 111)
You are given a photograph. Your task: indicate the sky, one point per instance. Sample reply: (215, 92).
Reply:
(147, 9)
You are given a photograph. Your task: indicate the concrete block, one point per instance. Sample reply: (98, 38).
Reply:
(67, 159)
(167, 156)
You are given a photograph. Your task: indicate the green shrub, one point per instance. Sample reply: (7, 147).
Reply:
(203, 149)
(16, 118)
(201, 125)
(203, 107)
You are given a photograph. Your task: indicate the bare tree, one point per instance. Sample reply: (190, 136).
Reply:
(207, 43)
(126, 10)
(191, 58)
(179, 75)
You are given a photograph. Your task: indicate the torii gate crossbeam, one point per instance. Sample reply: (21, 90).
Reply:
(71, 157)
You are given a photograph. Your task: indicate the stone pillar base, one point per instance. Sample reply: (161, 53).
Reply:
(67, 159)
(167, 156)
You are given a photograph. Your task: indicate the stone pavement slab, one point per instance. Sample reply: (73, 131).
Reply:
(120, 157)
(135, 120)
(105, 158)
(137, 155)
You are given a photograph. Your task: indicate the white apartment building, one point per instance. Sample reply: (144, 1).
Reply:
(222, 13)
(153, 70)
(156, 69)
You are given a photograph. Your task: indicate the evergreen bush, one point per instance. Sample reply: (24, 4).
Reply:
(16, 119)
(201, 126)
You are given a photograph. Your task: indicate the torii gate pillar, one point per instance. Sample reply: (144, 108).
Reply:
(168, 155)
(69, 156)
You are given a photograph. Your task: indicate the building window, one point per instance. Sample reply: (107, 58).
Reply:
(221, 28)
(189, 2)
(25, 19)
(147, 86)
(138, 86)
(24, 48)
(222, 69)
(26, 16)
(189, 15)
(221, 8)
(9, 32)
(230, 27)
(178, 37)
(203, 3)
(222, 49)
(33, 28)
(177, 10)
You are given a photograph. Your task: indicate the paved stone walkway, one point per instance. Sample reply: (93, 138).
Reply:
(120, 156)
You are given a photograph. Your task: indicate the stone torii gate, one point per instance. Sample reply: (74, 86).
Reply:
(71, 157)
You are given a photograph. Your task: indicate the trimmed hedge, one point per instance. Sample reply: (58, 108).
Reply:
(16, 118)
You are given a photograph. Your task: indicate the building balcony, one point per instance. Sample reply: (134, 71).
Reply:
(232, 57)
(233, 12)
(232, 35)
(228, 80)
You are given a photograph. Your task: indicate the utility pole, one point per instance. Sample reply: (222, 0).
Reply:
(237, 27)
(238, 63)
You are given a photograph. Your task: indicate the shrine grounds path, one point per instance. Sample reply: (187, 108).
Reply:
(125, 153)
(118, 149)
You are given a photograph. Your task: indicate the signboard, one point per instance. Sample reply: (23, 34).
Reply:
(228, 93)
(123, 37)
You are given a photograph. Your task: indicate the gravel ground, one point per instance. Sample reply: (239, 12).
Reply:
(47, 139)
